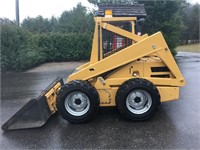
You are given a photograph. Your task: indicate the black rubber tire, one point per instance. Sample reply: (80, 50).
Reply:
(137, 84)
(84, 87)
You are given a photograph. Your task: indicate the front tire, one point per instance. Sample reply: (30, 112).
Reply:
(78, 101)
(137, 99)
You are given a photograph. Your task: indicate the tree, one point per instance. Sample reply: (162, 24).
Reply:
(165, 16)
(191, 21)
(54, 24)
(194, 21)
(96, 2)
(37, 25)
(6, 21)
(76, 20)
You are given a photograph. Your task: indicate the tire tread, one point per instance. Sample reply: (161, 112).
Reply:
(134, 83)
(85, 85)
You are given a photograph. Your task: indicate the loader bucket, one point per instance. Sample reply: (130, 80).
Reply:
(33, 114)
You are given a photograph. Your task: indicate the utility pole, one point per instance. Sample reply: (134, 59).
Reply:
(17, 11)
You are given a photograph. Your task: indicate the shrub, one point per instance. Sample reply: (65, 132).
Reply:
(65, 47)
(18, 49)
(21, 50)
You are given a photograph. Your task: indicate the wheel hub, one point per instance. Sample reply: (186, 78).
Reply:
(138, 101)
(77, 103)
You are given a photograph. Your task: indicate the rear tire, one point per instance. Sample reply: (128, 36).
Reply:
(78, 101)
(137, 99)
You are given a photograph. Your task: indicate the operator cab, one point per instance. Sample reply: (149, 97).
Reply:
(112, 42)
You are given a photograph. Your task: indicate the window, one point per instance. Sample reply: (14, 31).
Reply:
(111, 42)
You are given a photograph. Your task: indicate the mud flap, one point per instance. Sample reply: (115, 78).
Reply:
(33, 114)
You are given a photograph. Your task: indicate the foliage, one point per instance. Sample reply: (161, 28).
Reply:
(96, 2)
(40, 40)
(18, 50)
(191, 15)
(165, 16)
(65, 47)
(5, 21)
(22, 50)
(37, 25)
(77, 20)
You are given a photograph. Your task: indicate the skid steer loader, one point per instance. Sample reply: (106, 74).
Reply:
(132, 72)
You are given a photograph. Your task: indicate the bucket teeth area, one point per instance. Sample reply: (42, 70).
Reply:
(33, 114)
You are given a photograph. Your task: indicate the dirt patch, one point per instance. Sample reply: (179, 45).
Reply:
(56, 66)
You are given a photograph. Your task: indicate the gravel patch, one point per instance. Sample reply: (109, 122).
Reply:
(56, 66)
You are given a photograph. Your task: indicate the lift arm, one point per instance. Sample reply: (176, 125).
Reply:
(149, 45)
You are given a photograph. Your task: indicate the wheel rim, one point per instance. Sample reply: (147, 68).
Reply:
(138, 101)
(77, 103)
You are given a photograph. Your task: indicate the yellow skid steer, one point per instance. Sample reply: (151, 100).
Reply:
(133, 72)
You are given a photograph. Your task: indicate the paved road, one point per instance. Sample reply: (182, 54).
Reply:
(175, 126)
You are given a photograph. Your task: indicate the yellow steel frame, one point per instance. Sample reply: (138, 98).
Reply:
(51, 97)
(144, 53)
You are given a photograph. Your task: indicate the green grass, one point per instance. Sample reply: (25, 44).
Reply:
(189, 48)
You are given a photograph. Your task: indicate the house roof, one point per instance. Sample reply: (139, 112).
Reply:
(123, 10)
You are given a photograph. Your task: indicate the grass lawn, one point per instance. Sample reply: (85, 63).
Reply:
(189, 48)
